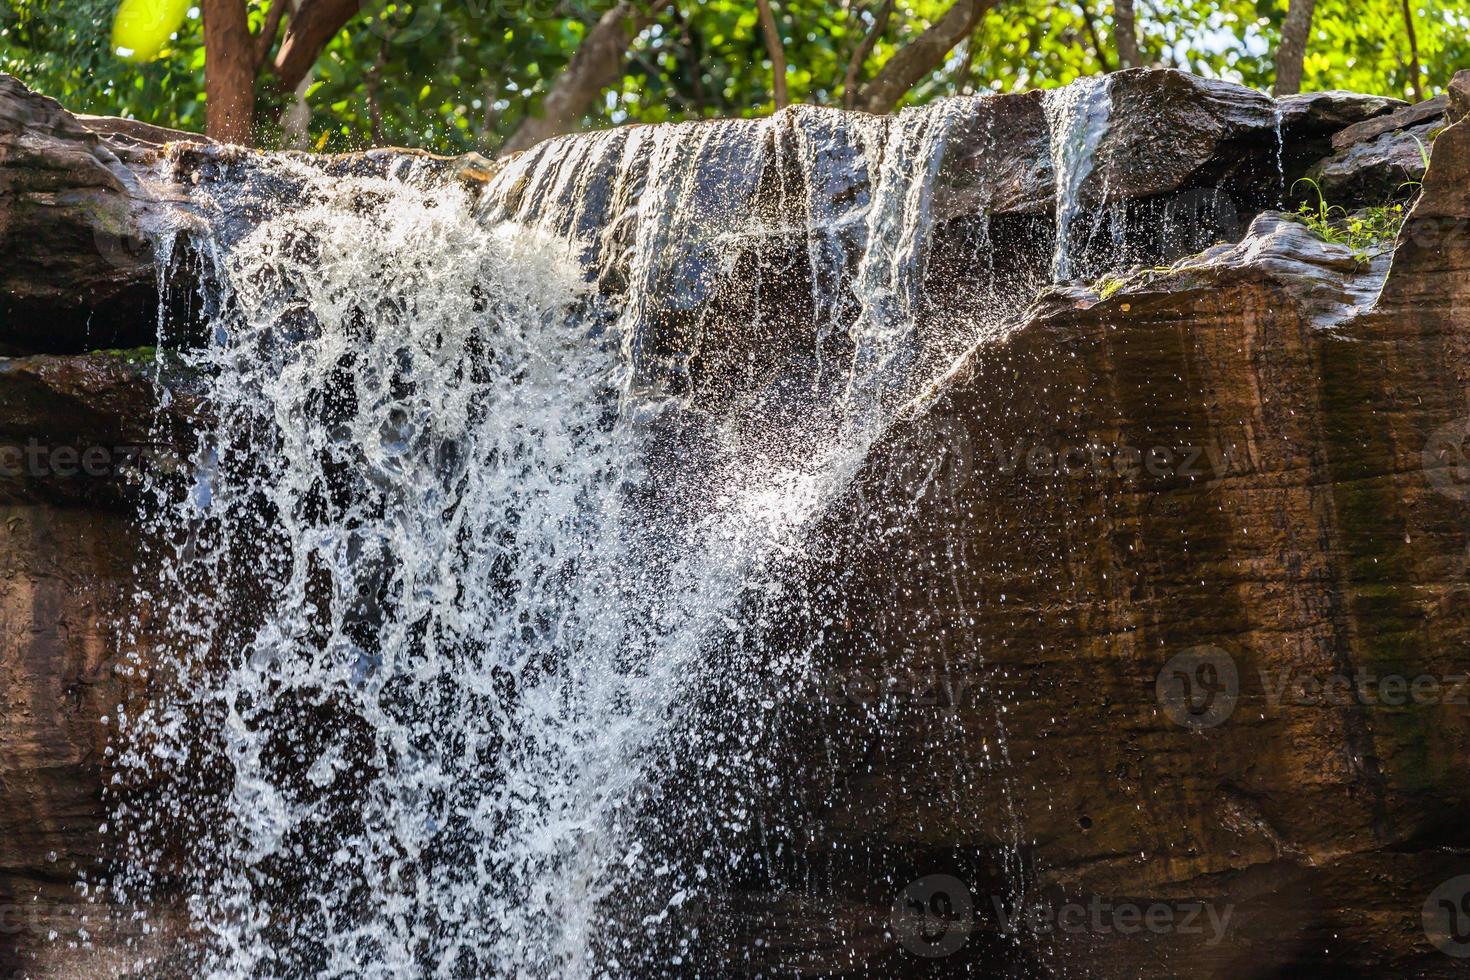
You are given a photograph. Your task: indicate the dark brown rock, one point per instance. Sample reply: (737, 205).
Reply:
(1328, 112)
(136, 134)
(75, 223)
(1181, 131)
(1430, 110)
(65, 581)
(76, 434)
(1378, 169)
(1457, 97)
(84, 430)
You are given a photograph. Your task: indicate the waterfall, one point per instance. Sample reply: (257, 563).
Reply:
(1077, 118)
(489, 487)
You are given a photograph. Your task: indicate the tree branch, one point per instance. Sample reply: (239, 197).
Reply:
(921, 56)
(1414, 68)
(267, 36)
(1097, 45)
(310, 29)
(777, 54)
(860, 56)
(596, 65)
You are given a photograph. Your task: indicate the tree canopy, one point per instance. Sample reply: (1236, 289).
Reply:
(453, 75)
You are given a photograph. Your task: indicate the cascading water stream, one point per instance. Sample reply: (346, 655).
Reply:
(471, 523)
(1077, 118)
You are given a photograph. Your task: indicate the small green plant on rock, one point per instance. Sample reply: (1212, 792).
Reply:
(1363, 232)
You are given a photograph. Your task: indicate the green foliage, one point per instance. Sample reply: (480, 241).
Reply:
(61, 47)
(452, 75)
(1363, 232)
(1362, 45)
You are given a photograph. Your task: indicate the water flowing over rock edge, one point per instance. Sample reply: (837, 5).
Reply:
(1423, 275)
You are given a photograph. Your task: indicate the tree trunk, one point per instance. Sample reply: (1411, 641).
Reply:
(924, 54)
(1125, 36)
(229, 71)
(310, 29)
(1289, 57)
(777, 54)
(860, 56)
(1414, 69)
(594, 67)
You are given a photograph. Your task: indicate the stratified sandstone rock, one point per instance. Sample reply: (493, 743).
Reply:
(1430, 110)
(1333, 110)
(76, 435)
(1240, 464)
(1457, 97)
(85, 429)
(1184, 131)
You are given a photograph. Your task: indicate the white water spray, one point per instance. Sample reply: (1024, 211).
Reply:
(462, 542)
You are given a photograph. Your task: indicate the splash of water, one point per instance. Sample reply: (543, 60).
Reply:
(472, 520)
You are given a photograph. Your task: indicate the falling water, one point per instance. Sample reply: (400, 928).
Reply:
(1280, 151)
(473, 518)
(1077, 118)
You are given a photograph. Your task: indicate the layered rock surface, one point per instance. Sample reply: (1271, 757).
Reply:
(1252, 461)
(1234, 456)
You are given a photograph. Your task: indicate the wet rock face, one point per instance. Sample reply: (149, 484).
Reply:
(65, 576)
(79, 270)
(1184, 131)
(1156, 606)
(84, 430)
(1166, 601)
